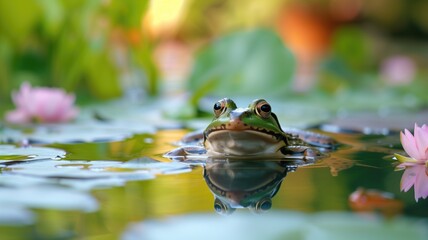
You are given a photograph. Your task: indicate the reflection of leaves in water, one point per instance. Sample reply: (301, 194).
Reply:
(358, 150)
(130, 148)
(349, 158)
(335, 164)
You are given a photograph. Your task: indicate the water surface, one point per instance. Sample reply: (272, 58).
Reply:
(105, 188)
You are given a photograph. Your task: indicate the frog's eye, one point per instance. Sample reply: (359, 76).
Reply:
(222, 208)
(263, 109)
(219, 107)
(263, 205)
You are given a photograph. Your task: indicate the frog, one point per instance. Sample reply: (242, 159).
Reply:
(251, 132)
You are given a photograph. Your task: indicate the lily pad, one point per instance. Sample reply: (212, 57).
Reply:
(15, 215)
(18, 181)
(74, 170)
(133, 115)
(375, 122)
(98, 183)
(78, 132)
(157, 167)
(10, 153)
(282, 225)
(49, 197)
(87, 175)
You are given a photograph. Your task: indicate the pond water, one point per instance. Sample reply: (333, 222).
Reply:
(62, 183)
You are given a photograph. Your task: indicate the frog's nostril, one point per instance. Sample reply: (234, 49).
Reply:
(237, 113)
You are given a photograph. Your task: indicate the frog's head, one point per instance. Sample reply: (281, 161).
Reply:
(251, 131)
(244, 183)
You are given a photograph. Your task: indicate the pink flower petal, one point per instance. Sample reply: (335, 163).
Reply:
(23, 97)
(406, 165)
(47, 105)
(409, 144)
(63, 110)
(421, 138)
(424, 130)
(408, 179)
(70, 114)
(64, 107)
(44, 104)
(18, 117)
(421, 183)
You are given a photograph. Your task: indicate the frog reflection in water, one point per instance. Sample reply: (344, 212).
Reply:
(244, 183)
(252, 132)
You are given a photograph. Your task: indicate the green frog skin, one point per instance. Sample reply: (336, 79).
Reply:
(252, 131)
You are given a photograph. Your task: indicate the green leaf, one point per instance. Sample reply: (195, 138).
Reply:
(53, 15)
(142, 57)
(17, 19)
(350, 45)
(404, 159)
(244, 63)
(102, 76)
(128, 13)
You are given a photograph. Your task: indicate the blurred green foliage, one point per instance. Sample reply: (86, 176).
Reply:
(353, 71)
(93, 47)
(244, 63)
(361, 37)
(81, 46)
(351, 46)
(349, 59)
(217, 17)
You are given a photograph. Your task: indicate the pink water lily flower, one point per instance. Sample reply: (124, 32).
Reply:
(416, 165)
(41, 104)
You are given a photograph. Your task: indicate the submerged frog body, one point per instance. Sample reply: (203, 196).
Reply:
(254, 132)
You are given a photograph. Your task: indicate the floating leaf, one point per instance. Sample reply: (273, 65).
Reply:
(86, 175)
(369, 122)
(157, 167)
(49, 197)
(15, 215)
(282, 225)
(78, 132)
(10, 153)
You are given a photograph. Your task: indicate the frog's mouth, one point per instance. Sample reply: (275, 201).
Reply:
(237, 127)
(243, 143)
